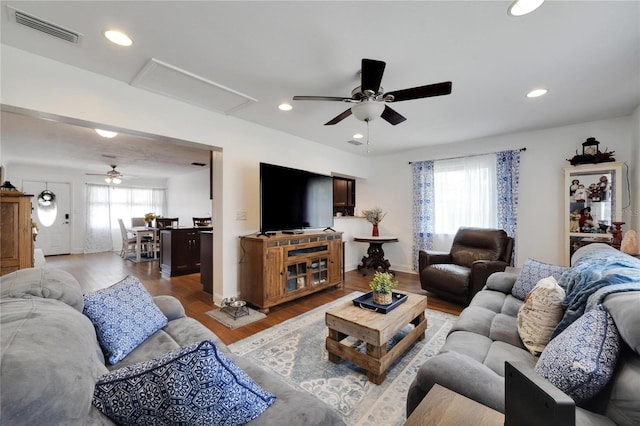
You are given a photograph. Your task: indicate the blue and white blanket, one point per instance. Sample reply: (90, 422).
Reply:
(593, 277)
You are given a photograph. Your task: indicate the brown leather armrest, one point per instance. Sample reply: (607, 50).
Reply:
(430, 257)
(480, 271)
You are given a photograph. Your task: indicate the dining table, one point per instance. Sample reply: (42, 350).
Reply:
(140, 232)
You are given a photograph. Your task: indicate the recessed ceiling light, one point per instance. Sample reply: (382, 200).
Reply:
(119, 38)
(285, 107)
(358, 136)
(522, 7)
(537, 93)
(106, 133)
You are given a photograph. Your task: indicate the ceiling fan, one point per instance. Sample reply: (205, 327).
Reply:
(369, 98)
(112, 176)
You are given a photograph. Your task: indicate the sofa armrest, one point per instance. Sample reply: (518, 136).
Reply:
(462, 375)
(480, 272)
(501, 281)
(533, 400)
(430, 257)
(170, 307)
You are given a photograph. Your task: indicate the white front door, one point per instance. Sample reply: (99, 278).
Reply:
(53, 218)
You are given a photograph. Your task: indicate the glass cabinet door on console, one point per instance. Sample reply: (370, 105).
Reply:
(593, 202)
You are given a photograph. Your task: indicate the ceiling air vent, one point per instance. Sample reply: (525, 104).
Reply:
(38, 24)
(354, 142)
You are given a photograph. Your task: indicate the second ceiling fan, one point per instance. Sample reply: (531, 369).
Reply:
(370, 100)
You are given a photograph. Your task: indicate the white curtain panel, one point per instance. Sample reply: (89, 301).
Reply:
(98, 223)
(465, 195)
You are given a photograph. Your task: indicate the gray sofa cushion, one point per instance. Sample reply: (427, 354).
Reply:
(45, 283)
(625, 310)
(49, 363)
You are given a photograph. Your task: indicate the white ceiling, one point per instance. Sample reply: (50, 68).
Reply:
(586, 53)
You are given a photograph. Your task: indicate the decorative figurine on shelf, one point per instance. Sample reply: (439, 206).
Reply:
(591, 154)
(586, 220)
(382, 286)
(603, 186)
(574, 219)
(581, 194)
(374, 216)
(573, 188)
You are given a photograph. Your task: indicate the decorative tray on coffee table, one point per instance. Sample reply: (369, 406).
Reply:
(366, 302)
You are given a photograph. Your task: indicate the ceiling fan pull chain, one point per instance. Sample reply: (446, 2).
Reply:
(367, 136)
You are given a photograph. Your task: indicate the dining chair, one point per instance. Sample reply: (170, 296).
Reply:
(167, 222)
(128, 242)
(202, 221)
(137, 221)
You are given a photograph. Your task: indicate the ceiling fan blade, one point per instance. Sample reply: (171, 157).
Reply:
(371, 77)
(321, 98)
(338, 118)
(428, 91)
(392, 116)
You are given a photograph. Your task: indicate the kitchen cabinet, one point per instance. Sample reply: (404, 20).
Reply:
(180, 251)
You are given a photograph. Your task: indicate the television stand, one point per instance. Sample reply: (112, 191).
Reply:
(286, 267)
(293, 232)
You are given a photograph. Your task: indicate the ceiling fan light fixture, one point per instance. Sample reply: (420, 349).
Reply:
(367, 110)
(523, 7)
(106, 133)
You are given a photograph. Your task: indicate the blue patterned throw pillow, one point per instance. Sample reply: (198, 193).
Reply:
(581, 360)
(532, 272)
(124, 315)
(193, 385)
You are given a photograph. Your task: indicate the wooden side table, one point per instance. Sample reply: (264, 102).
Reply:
(374, 260)
(444, 407)
(375, 329)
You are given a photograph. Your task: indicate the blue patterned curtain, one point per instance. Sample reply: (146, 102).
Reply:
(423, 195)
(508, 170)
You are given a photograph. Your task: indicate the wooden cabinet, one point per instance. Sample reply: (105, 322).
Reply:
(344, 196)
(281, 268)
(180, 251)
(16, 237)
(206, 261)
(593, 202)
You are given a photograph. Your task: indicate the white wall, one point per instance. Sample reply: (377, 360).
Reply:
(632, 215)
(76, 93)
(540, 212)
(188, 196)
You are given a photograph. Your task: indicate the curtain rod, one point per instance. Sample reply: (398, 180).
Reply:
(466, 156)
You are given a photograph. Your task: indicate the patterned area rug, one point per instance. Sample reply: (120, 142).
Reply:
(295, 350)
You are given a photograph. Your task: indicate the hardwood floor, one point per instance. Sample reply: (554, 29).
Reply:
(100, 270)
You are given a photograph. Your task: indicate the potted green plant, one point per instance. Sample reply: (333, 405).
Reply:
(382, 286)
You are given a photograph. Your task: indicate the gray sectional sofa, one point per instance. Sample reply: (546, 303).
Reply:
(51, 358)
(472, 361)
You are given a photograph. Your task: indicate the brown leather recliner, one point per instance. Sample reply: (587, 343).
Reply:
(475, 254)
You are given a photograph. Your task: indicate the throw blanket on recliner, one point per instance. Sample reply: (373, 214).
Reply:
(594, 276)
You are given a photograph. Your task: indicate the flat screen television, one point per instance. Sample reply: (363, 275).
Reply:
(292, 199)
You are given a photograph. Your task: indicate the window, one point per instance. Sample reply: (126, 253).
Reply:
(478, 191)
(464, 193)
(105, 205)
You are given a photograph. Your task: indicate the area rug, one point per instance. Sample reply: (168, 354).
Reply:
(295, 350)
(229, 322)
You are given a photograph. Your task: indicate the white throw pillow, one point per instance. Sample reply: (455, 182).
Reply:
(540, 313)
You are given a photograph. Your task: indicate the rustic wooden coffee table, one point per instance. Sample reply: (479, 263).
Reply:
(375, 329)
